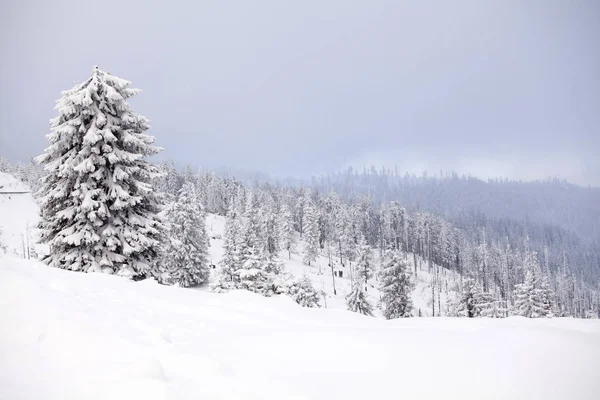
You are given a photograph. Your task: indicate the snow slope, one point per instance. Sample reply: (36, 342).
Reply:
(68, 335)
(9, 183)
(321, 276)
(18, 214)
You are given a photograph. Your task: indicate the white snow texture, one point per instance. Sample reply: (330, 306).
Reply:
(69, 335)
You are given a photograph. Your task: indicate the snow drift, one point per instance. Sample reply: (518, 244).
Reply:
(68, 335)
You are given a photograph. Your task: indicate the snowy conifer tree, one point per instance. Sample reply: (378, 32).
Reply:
(488, 306)
(171, 181)
(473, 302)
(527, 299)
(226, 275)
(287, 234)
(98, 208)
(395, 287)
(345, 244)
(304, 293)
(365, 265)
(254, 227)
(357, 300)
(467, 301)
(5, 165)
(186, 257)
(252, 249)
(273, 265)
(546, 298)
(311, 233)
(252, 273)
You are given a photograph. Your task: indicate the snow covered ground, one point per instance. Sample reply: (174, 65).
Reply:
(68, 335)
(18, 214)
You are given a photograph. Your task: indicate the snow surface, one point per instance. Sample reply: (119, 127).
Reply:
(18, 214)
(9, 183)
(68, 335)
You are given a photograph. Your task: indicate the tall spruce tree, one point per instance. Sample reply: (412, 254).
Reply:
(466, 304)
(533, 296)
(186, 257)
(546, 298)
(252, 272)
(287, 234)
(311, 233)
(395, 287)
(98, 207)
(253, 275)
(527, 298)
(365, 264)
(226, 276)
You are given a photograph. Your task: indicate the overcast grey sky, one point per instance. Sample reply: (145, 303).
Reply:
(494, 88)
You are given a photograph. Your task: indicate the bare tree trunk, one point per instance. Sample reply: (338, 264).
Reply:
(428, 252)
(23, 245)
(27, 240)
(415, 262)
(432, 296)
(439, 295)
(332, 274)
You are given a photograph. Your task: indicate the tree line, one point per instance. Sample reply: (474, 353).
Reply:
(105, 207)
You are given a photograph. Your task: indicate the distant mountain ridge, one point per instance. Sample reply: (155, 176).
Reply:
(551, 202)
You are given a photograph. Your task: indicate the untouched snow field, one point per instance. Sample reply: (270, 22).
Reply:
(68, 335)
(18, 214)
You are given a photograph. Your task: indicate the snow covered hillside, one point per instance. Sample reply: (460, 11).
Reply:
(18, 215)
(69, 335)
(321, 276)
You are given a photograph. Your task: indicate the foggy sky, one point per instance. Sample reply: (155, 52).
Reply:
(491, 88)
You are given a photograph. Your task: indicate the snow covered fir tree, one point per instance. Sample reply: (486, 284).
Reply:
(303, 292)
(473, 302)
(310, 231)
(98, 207)
(357, 300)
(396, 286)
(532, 299)
(185, 260)
(365, 265)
